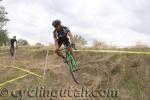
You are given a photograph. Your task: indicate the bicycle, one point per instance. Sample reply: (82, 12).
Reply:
(73, 67)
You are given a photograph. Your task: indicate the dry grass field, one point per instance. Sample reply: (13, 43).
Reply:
(129, 74)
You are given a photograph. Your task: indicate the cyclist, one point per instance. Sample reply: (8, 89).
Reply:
(13, 44)
(61, 34)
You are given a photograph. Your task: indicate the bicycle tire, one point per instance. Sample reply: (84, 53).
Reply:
(73, 73)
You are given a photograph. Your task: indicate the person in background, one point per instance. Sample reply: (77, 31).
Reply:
(13, 46)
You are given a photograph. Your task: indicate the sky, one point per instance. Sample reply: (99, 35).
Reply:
(116, 22)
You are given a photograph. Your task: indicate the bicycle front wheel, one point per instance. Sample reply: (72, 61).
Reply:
(73, 68)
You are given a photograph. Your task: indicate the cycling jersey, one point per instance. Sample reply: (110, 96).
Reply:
(61, 36)
(62, 33)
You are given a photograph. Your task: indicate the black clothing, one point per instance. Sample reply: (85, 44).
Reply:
(61, 36)
(12, 42)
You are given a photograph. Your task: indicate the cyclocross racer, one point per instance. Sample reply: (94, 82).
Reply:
(13, 45)
(61, 34)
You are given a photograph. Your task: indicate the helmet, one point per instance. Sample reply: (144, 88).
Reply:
(14, 36)
(56, 23)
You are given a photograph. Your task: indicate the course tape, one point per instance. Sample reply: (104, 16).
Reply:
(27, 71)
(12, 80)
(114, 51)
(24, 70)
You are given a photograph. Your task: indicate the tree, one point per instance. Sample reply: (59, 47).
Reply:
(79, 40)
(99, 44)
(3, 17)
(3, 20)
(139, 44)
(23, 42)
(3, 37)
(39, 44)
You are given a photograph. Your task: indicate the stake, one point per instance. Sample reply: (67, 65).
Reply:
(45, 67)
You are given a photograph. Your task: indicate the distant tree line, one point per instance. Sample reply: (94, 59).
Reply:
(23, 42)
(80, 41)
(3, 21)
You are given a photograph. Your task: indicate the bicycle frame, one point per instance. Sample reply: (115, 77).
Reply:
(72, 63)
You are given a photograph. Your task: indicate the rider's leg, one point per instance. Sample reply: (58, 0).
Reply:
(57, 50)
(67, 44)
(59, 54)
(12, 51)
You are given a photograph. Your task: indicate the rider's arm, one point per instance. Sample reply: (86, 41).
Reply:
(71, 37)
(56, 43)
(69, 33)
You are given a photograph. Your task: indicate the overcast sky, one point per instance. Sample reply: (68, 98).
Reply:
(120, 22)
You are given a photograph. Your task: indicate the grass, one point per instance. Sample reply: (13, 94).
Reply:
(128, 73)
